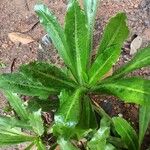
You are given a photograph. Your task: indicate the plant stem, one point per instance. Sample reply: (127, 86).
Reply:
(101, 112)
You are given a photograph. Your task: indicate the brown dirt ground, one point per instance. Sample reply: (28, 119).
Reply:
(18, 16)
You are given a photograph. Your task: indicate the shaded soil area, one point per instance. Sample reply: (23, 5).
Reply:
(18, 16)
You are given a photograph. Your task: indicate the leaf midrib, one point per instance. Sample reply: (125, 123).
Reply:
(73, 103)
(128, 136)
(29, 85)
(97, 72)
(125, 87)
(57, 33)
(78, 57)
(127, 70)
(54, 78)
(22, 112)
(114, 36)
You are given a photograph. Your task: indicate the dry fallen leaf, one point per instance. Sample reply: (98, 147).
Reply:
(57, 148)
(146, 34)
(17, 37)
(135, 45)
(108, 74)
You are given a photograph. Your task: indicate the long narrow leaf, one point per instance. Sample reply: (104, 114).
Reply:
(36, 122)
(103, 63)
(144, 120)
(90, 8)
(34, 104)
(98, 142)
(126, 132)
(19, 83)
(87, 121)
(110, 147)
(141, 59)
(17, 104)
(10, 122)
(10, 137)
(56, 33)
(134, 90)
(99, 139)
(40, 145)
(77, 36)
(48, 75)
(68, 115)
(29, 147)
(66, 145)
(87, 117)
(115, 32)
(114, 35)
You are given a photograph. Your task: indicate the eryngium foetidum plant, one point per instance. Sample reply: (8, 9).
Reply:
(75, 116)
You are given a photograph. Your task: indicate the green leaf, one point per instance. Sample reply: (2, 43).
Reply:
(19, 83)
(68, 115)
(144, 120)
(48, 75)
(34, 104)
(126, 132)
(117, 142)
(87, 117)
(77, 36)
(141, 59)
(98, 142)
(64, 96)
(90, 8)
(11, 122)
(36, 122)
(110, 147)
(40, 145)
(56, 33)
(114, 35)
(17, 104)
(87, 121)
(103, 63)
(29, 147)
(11, 136)
(132, 90)
(66, 145)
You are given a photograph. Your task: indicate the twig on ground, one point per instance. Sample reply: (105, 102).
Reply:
(13, 64)
(32, 27)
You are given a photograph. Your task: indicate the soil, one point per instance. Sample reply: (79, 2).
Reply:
(18, 16)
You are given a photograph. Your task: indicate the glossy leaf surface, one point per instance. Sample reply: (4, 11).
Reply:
(133, 90)
(45, 105)
(40, 145)
(17, 104)
(114, 35)
(19, 83)
(127, 133)
(77, 36)
(68, 115)
(98, 142)
(90, 7)
(56, 33)
(66, 145)
(36, 122)
(87, 117)
(48, 75)
(10, 137)
(144, 120)
(11, 122)
(141, 59)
